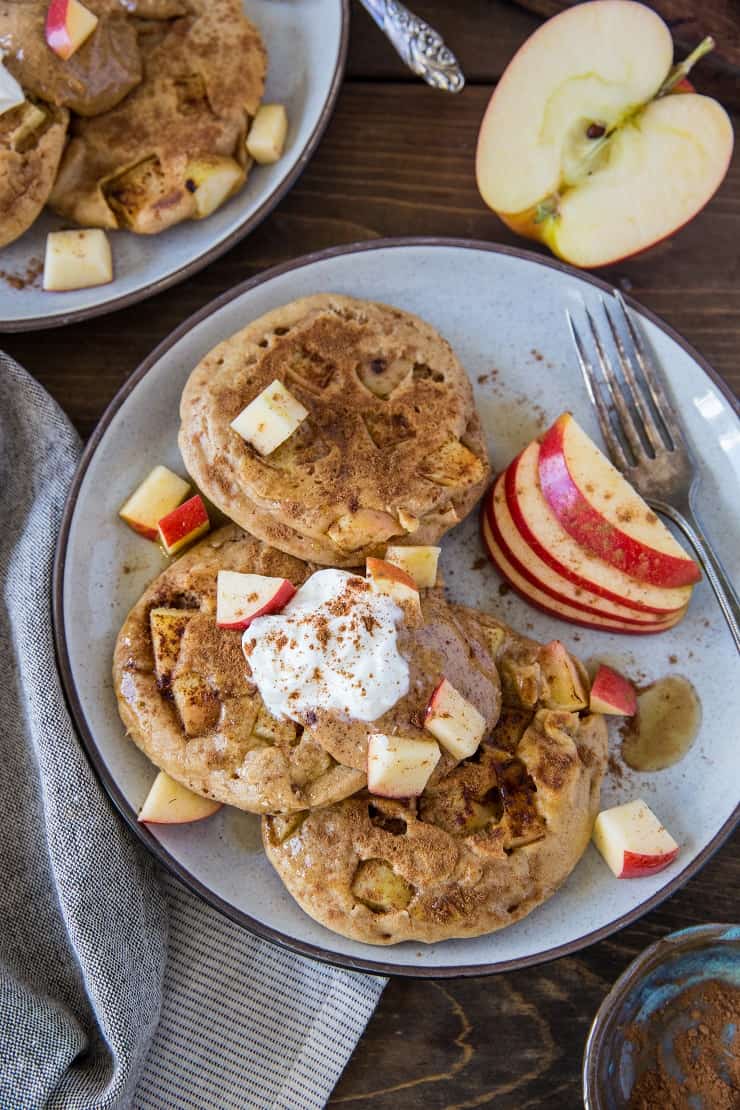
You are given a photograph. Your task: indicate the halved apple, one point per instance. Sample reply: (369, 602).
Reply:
(170, 803)
(68, 25)
(599, 508)
(385, 578)
(582, 146)
(183, 525)
(632, 840)
(399, 766)
(159, 493)
(612, 693)
(270, 418)
(454, 721)
(242, 597)
(419, 562)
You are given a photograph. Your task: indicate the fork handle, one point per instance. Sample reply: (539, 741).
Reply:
(688, 521)
(419, 45)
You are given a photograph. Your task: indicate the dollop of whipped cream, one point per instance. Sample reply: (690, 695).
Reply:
(333, 647)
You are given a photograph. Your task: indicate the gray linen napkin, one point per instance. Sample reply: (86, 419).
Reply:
(117, 986)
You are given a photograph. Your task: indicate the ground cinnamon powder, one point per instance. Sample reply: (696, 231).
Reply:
(707, 1053)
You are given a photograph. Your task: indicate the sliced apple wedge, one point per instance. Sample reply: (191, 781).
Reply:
(159, 493)
(266, 138)
(454, 721)
(170, 803)
(386, 578)
(563, 686)
(399, 766)
(632, 840)
(183, 525)
(601, 510)
(420, 563)
(166, 627)
(270, 418)
(77, 259)
(68, 25)
(612, 693)
(242, 597)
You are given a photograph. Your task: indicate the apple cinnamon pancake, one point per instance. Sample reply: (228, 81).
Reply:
(31, 143)
(391, 450)
(185, 696)
(479, 850)
(174, 149)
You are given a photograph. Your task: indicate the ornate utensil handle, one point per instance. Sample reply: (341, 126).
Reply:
(420, 46)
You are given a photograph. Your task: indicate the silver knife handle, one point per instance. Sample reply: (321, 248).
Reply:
(420, 46)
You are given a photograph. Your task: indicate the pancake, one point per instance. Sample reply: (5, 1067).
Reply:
(392, 449)
(478, 851)
(141, 165)
(31, 144)
(201, 720)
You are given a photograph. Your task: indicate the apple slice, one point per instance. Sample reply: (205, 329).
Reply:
(599, 162)
(386, 578)
(542, 530)
(563, 686)
(632, 840)
(159, 493)
(77, 259)
(183, 525)
(399, 766)
(266, 138)
(270, 418)
(420, 563)
(612, 693)
(454, 721)
(212, 181)
(170, 803)
(166, 627)
(601, 510)
(242, 597)
(68, 25)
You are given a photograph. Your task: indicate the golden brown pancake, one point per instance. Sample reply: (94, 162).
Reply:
(31, 143)
(392, 449)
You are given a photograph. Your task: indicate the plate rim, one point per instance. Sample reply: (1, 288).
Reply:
(195, 265)
(89, 745)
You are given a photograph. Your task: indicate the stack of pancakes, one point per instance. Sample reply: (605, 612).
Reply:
(391, 452)
(104, 137)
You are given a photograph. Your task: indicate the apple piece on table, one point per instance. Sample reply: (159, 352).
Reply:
(267, 135)
(212, 181)
(454, 721)
(563, 686)
(632, 840)
(386, 578)
(270, 418)
(68, 25)
(599, 508)
(399, 766)
(77, 259)
(170, 803)
(419, 562)
(242, 597)
(612, 693)
(183, 525)
(167, 627)
(599, 165)
(159, 493)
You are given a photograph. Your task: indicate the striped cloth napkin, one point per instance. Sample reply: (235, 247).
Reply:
(117, 986)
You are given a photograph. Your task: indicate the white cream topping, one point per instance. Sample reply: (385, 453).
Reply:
(11, 94)
(333, 646)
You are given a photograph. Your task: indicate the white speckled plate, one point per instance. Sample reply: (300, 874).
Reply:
(307, 46)
(503, 311)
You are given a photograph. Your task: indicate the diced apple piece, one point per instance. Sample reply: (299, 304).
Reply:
(420, 563)
(183, 525)
(270, 418)
(242, 597)
(212, 181)
(68, 24)
(563, 687)
(632, 840)
(170, 803)
(167, 627)
(77, 259)
(364, 526)
(399, 766)
(454, 721)
(159, 493)
(452, 465)
(198, 705)
(385, 578)
(612, 693)
(380, 888)
(11, 94)
(32, 118)
(266, 138)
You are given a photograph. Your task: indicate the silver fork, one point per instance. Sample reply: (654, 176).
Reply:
(646, 441)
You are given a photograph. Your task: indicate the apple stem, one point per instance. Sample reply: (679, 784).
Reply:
(678, 72)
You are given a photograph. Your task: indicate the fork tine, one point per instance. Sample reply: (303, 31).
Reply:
(615, 447)
(629, 429)
(653, 381)
(649, 427)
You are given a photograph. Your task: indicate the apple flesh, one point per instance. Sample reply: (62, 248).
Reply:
(166, 627)
(399, 766)
(77, 259)
(386, 578)
(632, 840)
(266, 138)
(211, 181)
(563, 686)
(159, 493)
(420, 563)
(270, 418)
(242, 597)
(454, 721)
(68, 25)
(612, 693)
(599, 163)
(601, 511)
(170, 803)
(183, 525)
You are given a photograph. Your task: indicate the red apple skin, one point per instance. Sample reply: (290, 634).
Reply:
(182, 521)
(636, 865)
(435, 698)
(277, 601)
(148, 533)
(593, 531)
(378, 568)
(56, 28)
(612, 693)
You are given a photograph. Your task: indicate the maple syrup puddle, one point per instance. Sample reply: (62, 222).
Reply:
(665, 725)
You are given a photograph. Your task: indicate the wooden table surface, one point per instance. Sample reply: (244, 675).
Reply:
(397, 159)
